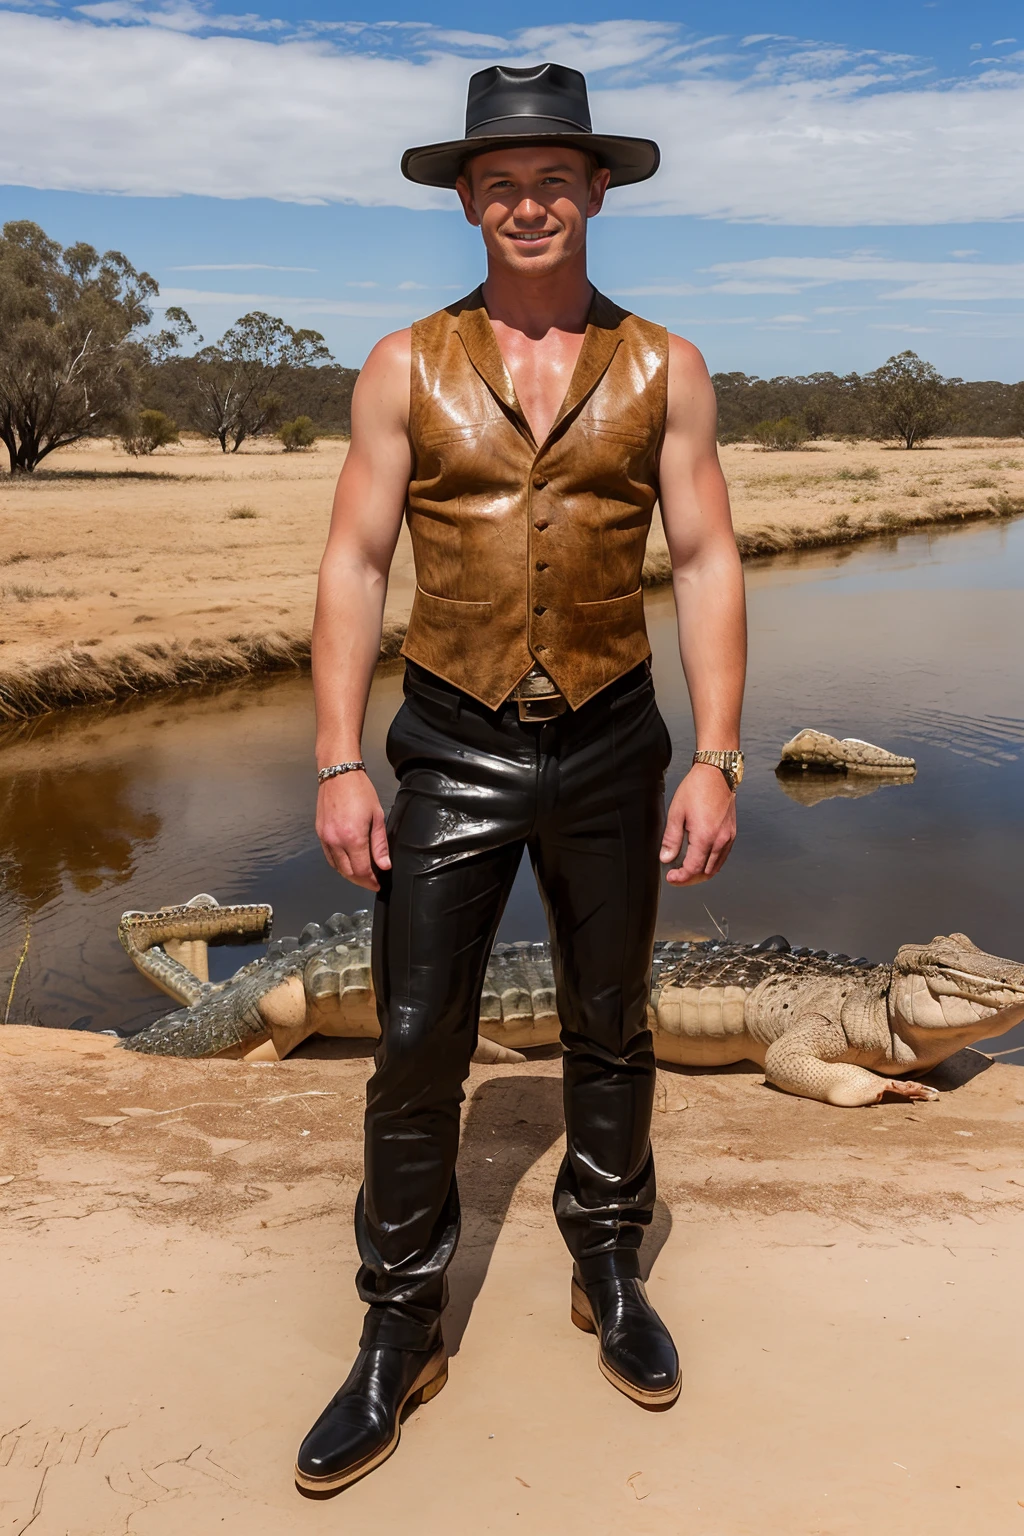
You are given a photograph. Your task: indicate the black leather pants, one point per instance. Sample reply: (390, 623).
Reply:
(584, 793)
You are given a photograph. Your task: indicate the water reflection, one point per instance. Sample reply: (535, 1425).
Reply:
(82, 826)
(913, 644)
(809, 788)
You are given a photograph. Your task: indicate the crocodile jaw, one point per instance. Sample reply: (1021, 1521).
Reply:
(950, 990)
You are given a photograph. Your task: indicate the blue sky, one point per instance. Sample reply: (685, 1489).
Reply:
(839, 182)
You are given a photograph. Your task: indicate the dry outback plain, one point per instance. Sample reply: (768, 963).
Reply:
(119, 574)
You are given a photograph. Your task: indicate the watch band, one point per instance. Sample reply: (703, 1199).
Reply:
(729, 762)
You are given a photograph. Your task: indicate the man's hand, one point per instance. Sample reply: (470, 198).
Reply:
(350, 826)
(703, 810)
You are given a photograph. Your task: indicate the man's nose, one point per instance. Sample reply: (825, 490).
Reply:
(528, 208)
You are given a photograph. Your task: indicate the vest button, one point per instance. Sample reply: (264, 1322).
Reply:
(542, 565)
(541, 524)
(539, 482)
(540, 609)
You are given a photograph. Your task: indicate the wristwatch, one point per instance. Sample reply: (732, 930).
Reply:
(731, 764)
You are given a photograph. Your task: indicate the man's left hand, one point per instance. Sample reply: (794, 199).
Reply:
(703, 813)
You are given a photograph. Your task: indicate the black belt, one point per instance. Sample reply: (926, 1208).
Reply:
(420, 680)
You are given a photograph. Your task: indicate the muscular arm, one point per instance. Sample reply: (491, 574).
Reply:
(368, 507)
(708, 585)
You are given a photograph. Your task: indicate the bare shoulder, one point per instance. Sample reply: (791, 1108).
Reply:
(691, 394)
(686, 363)
(389, 359)
(382, 388)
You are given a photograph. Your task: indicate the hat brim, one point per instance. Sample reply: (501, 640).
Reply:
(440, 165)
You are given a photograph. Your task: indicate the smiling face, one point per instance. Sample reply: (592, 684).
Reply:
(532, 204)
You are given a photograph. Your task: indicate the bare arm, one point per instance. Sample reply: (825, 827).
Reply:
(368, 508)
(708, 584)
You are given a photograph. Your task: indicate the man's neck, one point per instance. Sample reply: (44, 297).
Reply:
(558, 301)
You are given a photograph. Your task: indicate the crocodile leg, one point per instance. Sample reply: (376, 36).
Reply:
(808, 1061)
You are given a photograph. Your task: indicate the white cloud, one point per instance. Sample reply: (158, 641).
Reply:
(203, 298)
(936, 280)
(133, 99)
(176, 16)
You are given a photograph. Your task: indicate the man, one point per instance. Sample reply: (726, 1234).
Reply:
(526, 432)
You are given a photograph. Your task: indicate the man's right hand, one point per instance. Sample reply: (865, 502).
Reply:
(350, 826)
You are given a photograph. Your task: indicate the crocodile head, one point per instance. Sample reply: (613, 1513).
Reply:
(952, 985)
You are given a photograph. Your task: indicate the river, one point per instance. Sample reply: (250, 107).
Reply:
(912, 643)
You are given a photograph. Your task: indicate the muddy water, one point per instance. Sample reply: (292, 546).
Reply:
(912, 643)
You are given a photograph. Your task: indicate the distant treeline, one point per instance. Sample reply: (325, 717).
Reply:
(833, 405)
(324, 393)
(824, 404)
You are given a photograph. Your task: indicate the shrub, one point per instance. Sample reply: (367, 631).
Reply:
(300, 433)
(147, 432)
(869, 472)
(774, 436)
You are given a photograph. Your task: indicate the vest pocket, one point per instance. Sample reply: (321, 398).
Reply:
(438, 435)
(637, 437)
(627, 610)
(447, 610)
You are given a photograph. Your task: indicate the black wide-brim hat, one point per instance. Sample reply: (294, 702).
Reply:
(514, 108)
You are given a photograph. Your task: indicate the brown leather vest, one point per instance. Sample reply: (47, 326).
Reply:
(527, 551)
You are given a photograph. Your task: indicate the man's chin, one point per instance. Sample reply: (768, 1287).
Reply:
(532, 261)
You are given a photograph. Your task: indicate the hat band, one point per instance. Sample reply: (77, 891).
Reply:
(486, 127)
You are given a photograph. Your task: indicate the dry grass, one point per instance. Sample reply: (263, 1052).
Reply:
(75, 676)
(202, 567)
(25, 592)
(48, 477)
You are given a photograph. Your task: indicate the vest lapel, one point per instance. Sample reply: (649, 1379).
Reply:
(481, 344)
(599, 346)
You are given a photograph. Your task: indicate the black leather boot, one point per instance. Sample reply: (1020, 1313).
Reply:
(636, 1350)
(362, 1424)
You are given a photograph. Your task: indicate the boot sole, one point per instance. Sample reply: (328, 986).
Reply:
(427, 1385)
(583, 1317)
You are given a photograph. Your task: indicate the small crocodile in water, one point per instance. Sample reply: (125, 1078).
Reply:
(815, 750)
(822, 1025)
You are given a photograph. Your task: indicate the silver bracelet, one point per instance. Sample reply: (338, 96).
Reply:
(332, 772)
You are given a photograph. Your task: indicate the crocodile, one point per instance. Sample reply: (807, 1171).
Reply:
(827, 754)
(821, 1025)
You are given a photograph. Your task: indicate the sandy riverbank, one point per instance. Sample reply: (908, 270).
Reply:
(176, 1271)
(120, 575)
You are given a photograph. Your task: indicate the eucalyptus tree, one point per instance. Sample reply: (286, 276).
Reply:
(909, 399)
(234, 387)
(69, 352)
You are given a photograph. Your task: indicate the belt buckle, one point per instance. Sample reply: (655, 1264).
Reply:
(544, 707)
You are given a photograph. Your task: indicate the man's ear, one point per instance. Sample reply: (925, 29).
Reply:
(598, 187)
(465, 192)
